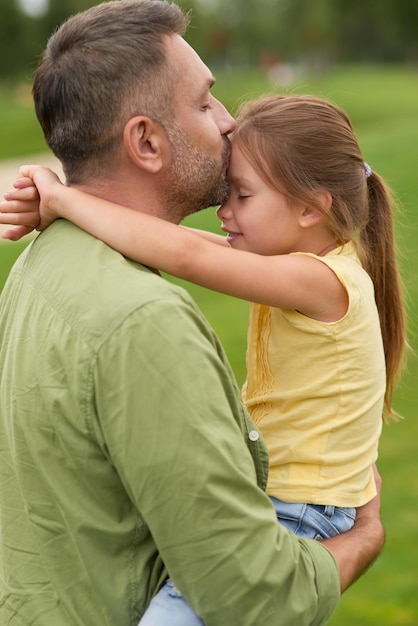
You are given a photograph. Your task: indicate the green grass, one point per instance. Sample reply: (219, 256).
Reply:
(382, 103)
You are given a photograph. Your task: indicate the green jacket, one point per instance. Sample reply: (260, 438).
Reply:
(125, 450)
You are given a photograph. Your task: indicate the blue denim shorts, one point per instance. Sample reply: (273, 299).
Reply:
(314, 521)
(169, 607)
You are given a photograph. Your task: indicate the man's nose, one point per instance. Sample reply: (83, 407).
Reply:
(224, 120)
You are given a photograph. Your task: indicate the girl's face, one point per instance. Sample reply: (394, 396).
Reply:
(257, 217)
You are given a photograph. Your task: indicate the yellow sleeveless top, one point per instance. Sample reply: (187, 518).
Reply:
(316, 392)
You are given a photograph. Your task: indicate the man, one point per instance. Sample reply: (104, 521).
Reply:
(125, 450)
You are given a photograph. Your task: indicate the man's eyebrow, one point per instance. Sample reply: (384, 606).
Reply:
(206, 87)
(209, 83)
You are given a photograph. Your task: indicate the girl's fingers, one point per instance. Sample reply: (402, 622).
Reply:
(23, 182)
(16, 233)
(25, 194)
(21, 208)
(29, 218)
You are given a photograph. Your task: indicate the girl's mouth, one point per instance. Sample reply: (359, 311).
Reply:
(231, 237)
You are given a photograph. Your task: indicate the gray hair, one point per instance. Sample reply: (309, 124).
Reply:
(100, 68)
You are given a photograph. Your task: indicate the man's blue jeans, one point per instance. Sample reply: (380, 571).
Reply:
(313, 521)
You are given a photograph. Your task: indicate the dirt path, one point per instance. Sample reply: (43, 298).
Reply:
(10, 168)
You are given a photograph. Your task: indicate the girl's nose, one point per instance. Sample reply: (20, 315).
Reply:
(222, 211)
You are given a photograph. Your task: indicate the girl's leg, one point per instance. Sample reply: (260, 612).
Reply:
(169, 608)
(314, 521)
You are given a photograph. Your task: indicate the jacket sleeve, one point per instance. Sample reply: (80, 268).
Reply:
(170, 416)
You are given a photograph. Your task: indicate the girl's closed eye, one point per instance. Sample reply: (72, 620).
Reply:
(238, 192)
(242, 195)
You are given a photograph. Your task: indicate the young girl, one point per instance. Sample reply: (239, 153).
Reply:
(310, 244)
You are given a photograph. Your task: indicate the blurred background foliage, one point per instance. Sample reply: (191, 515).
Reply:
(241, 32)
(361, 54)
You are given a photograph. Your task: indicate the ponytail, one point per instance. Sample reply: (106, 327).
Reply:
(377, 244)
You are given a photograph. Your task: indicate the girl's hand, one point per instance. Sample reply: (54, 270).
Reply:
(21, 207)
(29, 205)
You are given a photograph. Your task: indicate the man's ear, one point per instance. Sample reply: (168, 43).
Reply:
(309, 215)
(144, 141)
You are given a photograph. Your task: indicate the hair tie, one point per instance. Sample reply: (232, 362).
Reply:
(367, 170)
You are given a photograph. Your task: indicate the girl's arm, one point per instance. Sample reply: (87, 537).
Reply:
(30, 212)
(220, 240)
(284, 281)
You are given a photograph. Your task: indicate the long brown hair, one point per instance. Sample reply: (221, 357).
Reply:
(300, 144)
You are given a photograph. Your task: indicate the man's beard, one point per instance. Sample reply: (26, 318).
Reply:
(195, 181)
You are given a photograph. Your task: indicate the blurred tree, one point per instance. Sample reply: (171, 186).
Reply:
(358, 30)
(306, 29)
(59, 10)
(236, 31)
(18, 40)
(23, 37)
(407, 11)
(368, 30)
(245, 31)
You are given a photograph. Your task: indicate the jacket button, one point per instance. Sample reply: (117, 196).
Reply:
(254, 435)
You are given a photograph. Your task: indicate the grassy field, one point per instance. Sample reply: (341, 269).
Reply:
(383, 105)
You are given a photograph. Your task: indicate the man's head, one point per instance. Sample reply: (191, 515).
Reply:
(121, 64)
(197, 136)
(100, 68)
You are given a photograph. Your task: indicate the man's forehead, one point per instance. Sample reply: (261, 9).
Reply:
(185, 57)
